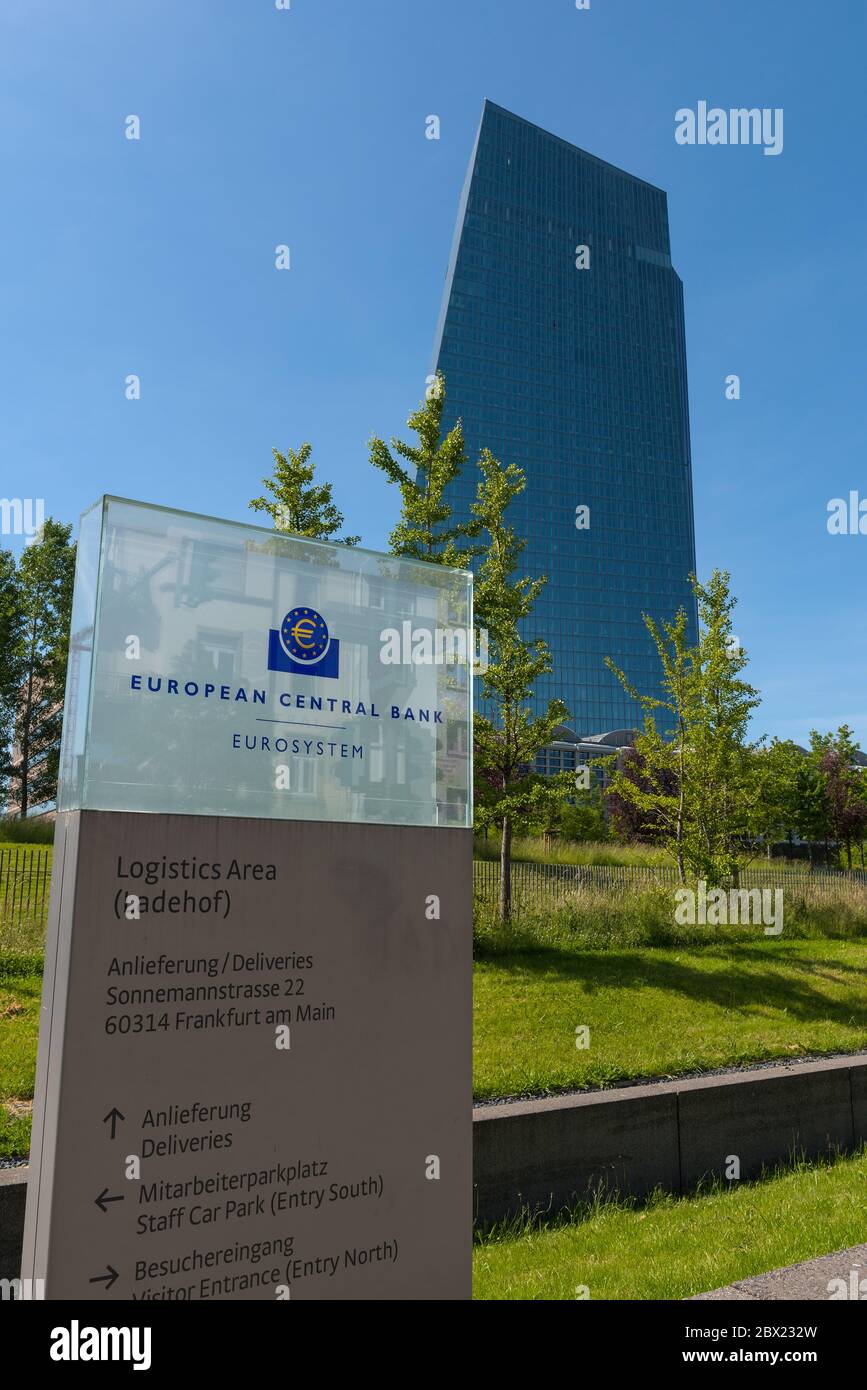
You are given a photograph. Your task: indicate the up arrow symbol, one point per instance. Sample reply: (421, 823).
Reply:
(114, 1115)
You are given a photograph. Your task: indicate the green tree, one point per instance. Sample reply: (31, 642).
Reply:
(11, 667)
(506, 745)
(45, 579)
(660, 794)
(844, 802)
(581, 816)
(296, 503)
(425, 530)
(862, 793)
(700, 782)
(812, 815)
(789, 794)
(726, 778)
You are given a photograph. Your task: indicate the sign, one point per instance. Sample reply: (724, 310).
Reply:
(254, 1076)
(207, 656)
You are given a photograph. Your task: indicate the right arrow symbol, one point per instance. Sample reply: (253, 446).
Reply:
(114, 1115)
(107, 1279)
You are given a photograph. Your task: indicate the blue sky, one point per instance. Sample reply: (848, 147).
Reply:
(307, 127)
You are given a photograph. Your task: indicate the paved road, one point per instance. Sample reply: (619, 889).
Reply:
(809, 1280)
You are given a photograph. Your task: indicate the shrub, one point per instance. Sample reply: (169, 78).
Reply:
(36, 830)
(599, 919)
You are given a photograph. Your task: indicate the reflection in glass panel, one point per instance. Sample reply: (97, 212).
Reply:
(239, 671)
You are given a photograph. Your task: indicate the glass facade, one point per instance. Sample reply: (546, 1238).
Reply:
(577, 375)
(223, 669)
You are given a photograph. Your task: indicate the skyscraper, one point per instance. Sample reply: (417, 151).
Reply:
(561, 340)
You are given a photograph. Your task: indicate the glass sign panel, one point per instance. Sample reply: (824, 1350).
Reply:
(223, 669)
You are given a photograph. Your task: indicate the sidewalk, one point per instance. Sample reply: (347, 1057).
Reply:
(809, 1280)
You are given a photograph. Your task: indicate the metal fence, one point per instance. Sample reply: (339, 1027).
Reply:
(545, 883)
(25, 876)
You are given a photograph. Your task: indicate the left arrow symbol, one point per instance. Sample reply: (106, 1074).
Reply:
(107, 1279)
(103, 1199)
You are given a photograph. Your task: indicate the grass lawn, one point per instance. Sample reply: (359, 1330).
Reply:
(656, 1011)
(20, 991)
(678, 1246)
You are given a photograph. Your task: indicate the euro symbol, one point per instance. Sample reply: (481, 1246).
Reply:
(303, 632)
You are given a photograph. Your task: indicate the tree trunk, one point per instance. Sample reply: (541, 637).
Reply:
(23, 804)
(506, 871)
(680, 806)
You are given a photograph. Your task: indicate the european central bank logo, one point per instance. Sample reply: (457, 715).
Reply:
(303, 645)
